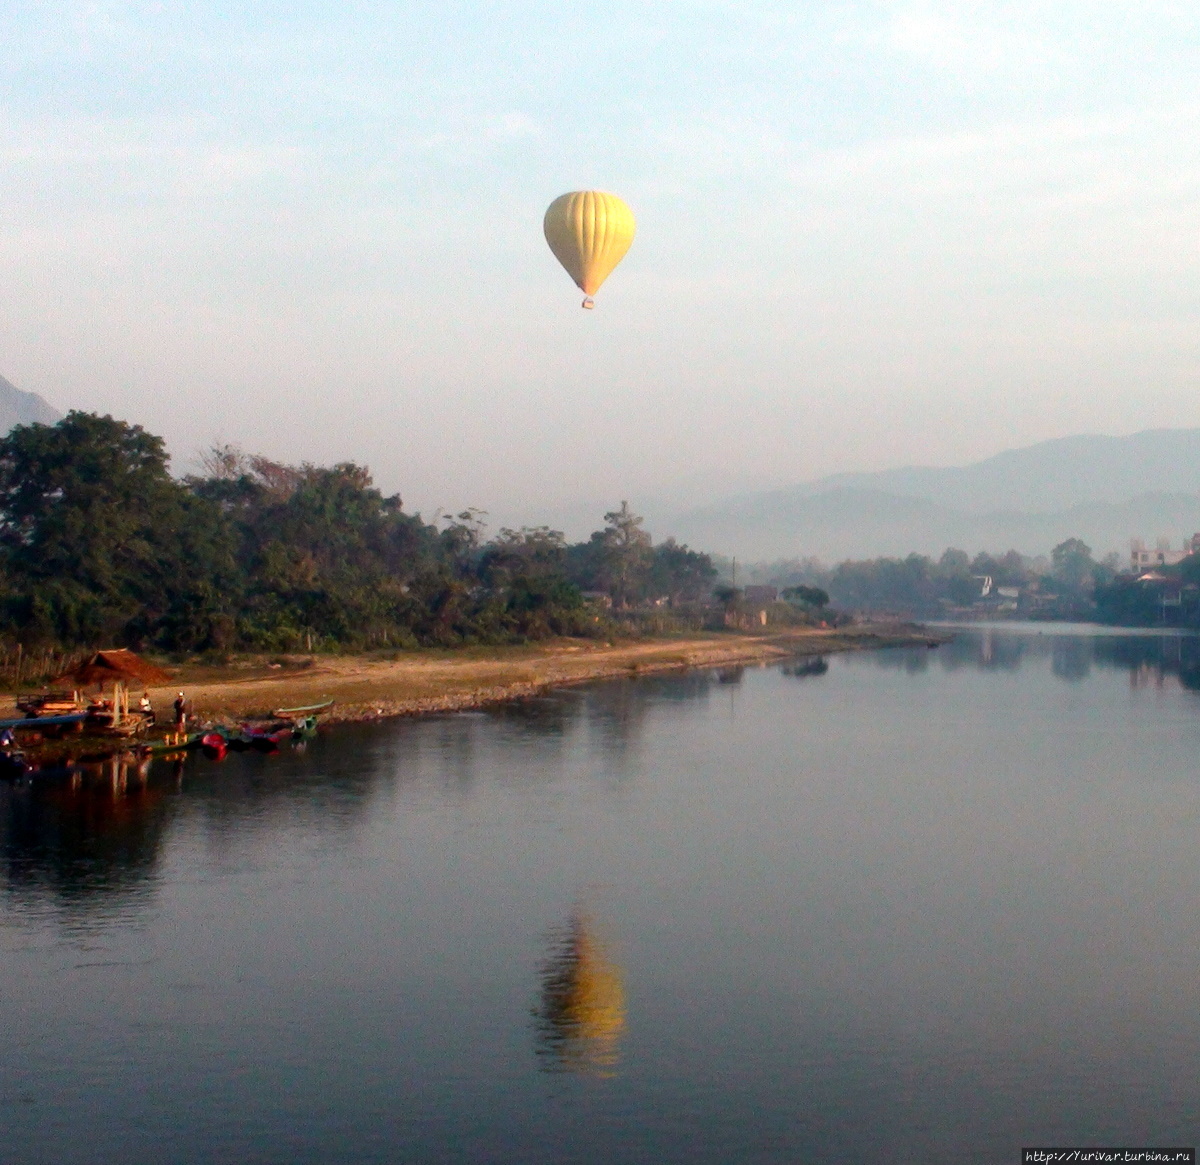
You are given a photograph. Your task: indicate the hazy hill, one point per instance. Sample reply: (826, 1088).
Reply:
(23, 408)
(1102, 489)
(1042, 478)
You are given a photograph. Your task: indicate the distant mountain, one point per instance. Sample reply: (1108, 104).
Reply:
(23, 408)
(1042, 478)
(1101, 489)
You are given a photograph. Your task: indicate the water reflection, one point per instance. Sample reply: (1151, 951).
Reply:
(1071, 658)
(683, 686)
(619, 707)
(541, 716)
(98, 832)
(1150, 660)
(581, 1016)
(983, 649)
(897, 948)
(101, 833)
(912, 659)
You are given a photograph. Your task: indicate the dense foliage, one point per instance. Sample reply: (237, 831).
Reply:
(100, 544)
(1070, 585)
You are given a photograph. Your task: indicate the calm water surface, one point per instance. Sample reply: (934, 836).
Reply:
(900, 906)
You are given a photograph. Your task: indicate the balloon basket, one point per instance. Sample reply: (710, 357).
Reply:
(588, 303)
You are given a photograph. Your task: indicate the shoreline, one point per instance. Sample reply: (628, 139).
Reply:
(430, 682)
(427, 682)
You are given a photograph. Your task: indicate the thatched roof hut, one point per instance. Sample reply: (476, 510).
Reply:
(117, 666)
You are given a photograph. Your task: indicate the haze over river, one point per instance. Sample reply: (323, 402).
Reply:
(908, 905)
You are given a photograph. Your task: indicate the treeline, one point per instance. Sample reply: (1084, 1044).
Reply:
(1170, 596)
(99, 544)
(1070, 584)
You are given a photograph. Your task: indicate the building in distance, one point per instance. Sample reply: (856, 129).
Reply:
(1141, 559)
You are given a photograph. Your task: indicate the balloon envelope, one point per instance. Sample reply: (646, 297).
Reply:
(589, 232)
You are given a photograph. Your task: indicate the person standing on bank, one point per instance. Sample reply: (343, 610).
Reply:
(180, 713)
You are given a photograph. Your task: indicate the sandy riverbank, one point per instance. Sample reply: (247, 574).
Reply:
(411, 683)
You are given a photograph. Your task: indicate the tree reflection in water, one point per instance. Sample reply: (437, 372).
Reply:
(581, 1016)
(1151, 659)
(98, 832)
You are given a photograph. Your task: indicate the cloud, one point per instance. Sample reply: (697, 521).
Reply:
(509, 126)
(1133, 158)
(947, 38)
(874, 214)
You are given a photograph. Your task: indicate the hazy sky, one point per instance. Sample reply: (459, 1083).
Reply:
(869, 234)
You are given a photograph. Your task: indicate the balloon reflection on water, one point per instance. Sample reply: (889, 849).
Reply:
(581, 1016)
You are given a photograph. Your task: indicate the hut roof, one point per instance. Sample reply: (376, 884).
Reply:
(118, 664)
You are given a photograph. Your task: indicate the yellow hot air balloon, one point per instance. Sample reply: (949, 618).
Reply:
(589, 232)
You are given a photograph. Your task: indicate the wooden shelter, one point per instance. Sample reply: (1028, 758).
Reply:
(118, 667)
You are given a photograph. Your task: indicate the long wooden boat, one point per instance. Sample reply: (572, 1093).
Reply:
(176, 742)
(269, 738)
(263, 735)
(44, 721)
(308, 710)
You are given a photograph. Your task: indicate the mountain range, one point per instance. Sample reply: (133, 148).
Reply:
(23, 408)
(1104, 490)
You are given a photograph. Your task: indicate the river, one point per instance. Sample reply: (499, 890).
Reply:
(907, 905)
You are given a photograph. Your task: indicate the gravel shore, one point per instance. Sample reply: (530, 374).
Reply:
(415, 683)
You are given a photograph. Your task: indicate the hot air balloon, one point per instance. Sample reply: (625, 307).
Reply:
(589, 232)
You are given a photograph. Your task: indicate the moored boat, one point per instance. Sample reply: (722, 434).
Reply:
(308, 711)
(260, 735)
(172, 742)
(214, 745)
(268, 739)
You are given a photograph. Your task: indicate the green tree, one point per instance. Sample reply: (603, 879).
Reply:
(1071, 564)
(880, 584)
(616, 559)
(806, 595)
(1009, 570)
(954, 580)
(679, 573)
(531, 552)
(100, 542)
(954, 563)
(326, 555)
(528, 593)
(728, 596)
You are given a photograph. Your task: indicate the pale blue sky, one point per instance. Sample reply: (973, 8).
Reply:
(869, 234)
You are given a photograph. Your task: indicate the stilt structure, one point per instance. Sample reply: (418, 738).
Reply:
(118, 667)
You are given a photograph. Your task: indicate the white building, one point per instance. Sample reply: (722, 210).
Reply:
(1141, 559)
